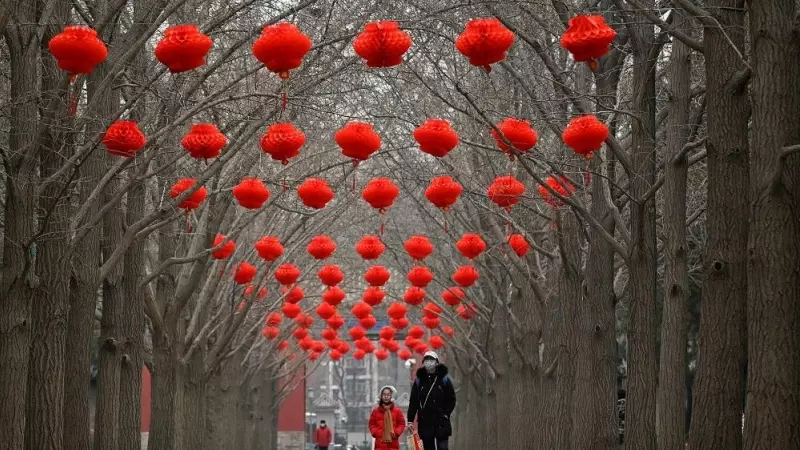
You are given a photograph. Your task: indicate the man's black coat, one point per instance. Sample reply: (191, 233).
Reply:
(434, 414)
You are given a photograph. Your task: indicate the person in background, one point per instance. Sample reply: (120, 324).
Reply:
(323, 436)
(433, 399)
(386, 423)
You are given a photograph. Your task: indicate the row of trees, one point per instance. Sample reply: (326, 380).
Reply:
(671, 272)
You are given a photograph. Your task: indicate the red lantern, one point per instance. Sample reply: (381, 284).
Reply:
(368, 322)
(381, 354)
(269, 248)
(370, 247)
(300, 334)
(225, 251)
(183, 48)
(466, 312)
(396, 310)
(418, 247)
(293, 295)
(251, 193)
(321, 247)
(588, 38)
(387, 333)
(443, 192)
(431, 310)
(273, 319)
(330, 275)
(334, 295)
(291, 310)
(436, 137)
(420, 276)
(373, 296)
(270, 332)
(315, 193)
(77, 49)
(244, 273)
(361, 310)
(431, 322)
(250, 289)
(357, 333)
(318, 347)
(358, 141)
(359, 354)
(304, 320)
(449, 331)
(325, 311)
(329, 334)
(505, 191)
(380, 193)
(336, 321)
(306, 343)
(287, 274)
(585, 135)
(465, 276)
(124, 138)
(283, 345)
(416, 332)
(399, 324)
(194, 200)
(518, 244)
(313, 356)
(204, 141)
(485, 42)
(404, 354)
(281, 48)
(562, 186)
(343, 347)
(414, 295)
(519, 132)
(377, 276)
(436, 342)
(282, 142)
(454, 296)
(382, 44)
(471, 245)
(335, 355)
(262, 293)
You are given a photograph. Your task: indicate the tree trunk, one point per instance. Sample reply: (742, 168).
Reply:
(193, 407)
(671, 400)
(163, 396)
(772, 411)
(17, 278)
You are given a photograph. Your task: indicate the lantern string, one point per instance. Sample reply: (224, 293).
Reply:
(284, 183)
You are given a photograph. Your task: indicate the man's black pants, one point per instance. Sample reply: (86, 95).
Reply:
(433, 443)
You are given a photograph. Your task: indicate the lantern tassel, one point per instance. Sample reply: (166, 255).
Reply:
(587, 177)
(444, 216)
(284, 100)
(354, 182)
(284, 183)
(188, 222)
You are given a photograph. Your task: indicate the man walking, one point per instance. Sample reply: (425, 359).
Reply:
(432, 401)
(323, 436)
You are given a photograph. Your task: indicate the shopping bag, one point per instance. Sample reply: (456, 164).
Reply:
(414, 442)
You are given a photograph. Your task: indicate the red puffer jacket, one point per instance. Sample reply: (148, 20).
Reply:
(376, 428)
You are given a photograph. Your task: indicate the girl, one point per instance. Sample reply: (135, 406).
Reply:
(387, 422)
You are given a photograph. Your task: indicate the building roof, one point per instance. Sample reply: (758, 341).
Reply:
(324, 401)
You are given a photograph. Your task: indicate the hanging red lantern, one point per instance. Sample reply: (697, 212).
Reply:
(183, 48)
(78, 49)
(519, 132)
(431, 310)
(358, 140)
(304, 320)
(505, 191)
(313, 356)
(281, 48)
(315, 193)
(368, 322)
(294, 294)
(588, 38)
(225, 251)
(404, 354)
(436, 342)
(370, 247)
(300, 334)
(361, 310)
(250, 289)
(330, 275)
(204, 141)
(269, 248)
(466, 312)
(334, 295)
(273, 319)
(270, 332)
(465, 276)
(283, 345)
(329, 334)
(124, 138)
(485, 42)
(420, 276)
(194, 200)
(318, 346)
(325, 311)
(357, 333)
(396, 310)
(321, 247)
(343, 347)
(359, 354)
(291, 310)
(414, 295)
(282, 142)
(436, 137)
(418, 247)
(373, 296)
(244, 273)
(448, 330)
(471, 245)
(391, 345)
(416, 332)
(585, 135)
(380, 193)
(518, 244)
(377, 276)
(399, 324)
(443, 192)
(262, 294)
(431, 323)
(453, 296)
(306, 343)
(251, 193)
(287, 274)
(382, 44)
(336, 321)
(381, 354)
(562, 186)
(335, 355)
(387, 333)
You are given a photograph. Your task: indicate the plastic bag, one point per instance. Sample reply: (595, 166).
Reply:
(414, 442)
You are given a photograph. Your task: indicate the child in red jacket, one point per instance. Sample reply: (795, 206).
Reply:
(387, 421)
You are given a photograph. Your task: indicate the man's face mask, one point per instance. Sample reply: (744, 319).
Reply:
(323, 425)
(429, 365)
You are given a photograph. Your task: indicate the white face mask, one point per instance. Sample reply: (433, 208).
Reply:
(430, 365)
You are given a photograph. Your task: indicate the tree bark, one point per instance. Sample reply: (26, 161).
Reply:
(671, 397)
(719, 377)
(772, 411)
